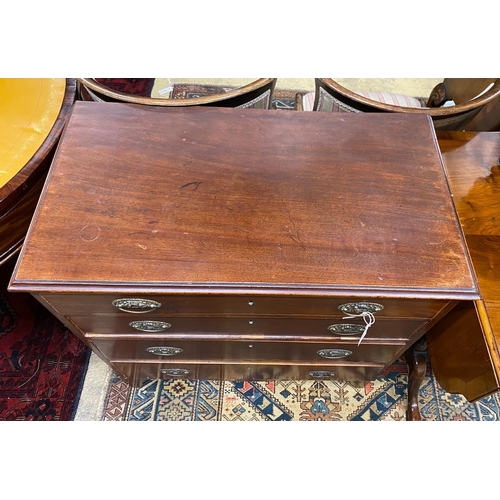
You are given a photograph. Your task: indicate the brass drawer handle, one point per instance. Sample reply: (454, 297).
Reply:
(321, 374)
(136, 306)
(334, 353)
(361, 307)
(365, 310)
(346, 329)
(175, 372)
(164, 351)
(150, 326)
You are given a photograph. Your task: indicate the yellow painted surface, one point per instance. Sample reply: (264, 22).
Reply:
(28, 110)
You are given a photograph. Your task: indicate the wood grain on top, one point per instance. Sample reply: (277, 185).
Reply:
(472, 162)
(235, 199)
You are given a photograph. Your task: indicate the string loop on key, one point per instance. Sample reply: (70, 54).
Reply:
(369, 319)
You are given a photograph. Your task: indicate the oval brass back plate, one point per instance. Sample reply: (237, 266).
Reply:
(175, 372)
(360, 307)
(346, 329)
(164, 351)
(321, 374)
(334, 353)
(136, 306)
(150, 326)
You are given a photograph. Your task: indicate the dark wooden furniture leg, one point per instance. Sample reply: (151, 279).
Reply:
(417, 367)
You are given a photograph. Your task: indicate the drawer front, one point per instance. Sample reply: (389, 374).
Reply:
(138, 372)
(256, 352)
(190, 305)
(349, 373)
(231, 327)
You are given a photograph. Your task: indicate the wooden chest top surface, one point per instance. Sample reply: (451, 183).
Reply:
(231, 200)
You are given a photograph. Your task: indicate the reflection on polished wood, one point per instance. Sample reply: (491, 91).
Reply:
(472, 162)
(464, 348)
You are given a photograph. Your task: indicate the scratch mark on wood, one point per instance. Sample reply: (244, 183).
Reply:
(294, 226)
(196, 185)
(90, 233)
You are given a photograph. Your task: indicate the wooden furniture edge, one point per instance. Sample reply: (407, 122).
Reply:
(192, 101)
(487, 97)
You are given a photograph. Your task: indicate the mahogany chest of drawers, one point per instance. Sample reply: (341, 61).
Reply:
(246, 244)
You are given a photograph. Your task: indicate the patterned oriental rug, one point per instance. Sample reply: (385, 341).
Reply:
(42, 364)
(282, 98)
(384, 399)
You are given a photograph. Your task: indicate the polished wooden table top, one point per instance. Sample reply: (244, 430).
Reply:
(472, 162)
(231, 200)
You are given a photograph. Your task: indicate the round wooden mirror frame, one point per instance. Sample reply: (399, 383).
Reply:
(91, 84)
(443, 112)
